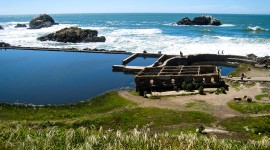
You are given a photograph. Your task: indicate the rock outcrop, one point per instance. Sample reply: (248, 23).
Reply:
(1, 28)
(73, 35)
(20, 25)
(201, 20)
(3, 44)
(185, 21)
(41, 21)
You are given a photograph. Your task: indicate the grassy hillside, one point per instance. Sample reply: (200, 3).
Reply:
(110, 121)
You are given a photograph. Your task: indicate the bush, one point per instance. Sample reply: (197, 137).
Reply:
(201, 90)
(189, 87)
(223, 90)
(184, 86)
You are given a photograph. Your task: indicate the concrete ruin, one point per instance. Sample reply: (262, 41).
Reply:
(172, 77)
(170, 72)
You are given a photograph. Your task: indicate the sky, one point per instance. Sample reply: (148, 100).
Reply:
(9, 7)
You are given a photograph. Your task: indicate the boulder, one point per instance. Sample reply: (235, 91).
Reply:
(185, 21)
(3, 44)
(1, 28)
(215, 22)
(41, 21)
(73, 35)
(200, 20)
(20, 25)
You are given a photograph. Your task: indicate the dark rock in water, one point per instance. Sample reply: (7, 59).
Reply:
(185, 21)
(20, 25)
(41, 21)
(1, 28)
(215, 22)
(201, 20)
(3, 44)
(73, 35)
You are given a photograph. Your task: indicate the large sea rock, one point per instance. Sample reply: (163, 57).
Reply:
(200, 20)
(41, 21)
(20, 25)
(73, 35)
(3, 44)
(1, 28)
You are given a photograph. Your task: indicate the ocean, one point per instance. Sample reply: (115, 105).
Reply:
(239, 34)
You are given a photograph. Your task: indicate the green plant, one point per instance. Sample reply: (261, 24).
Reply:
(223, 90)
(189, 87)
(201, 90)
(261, 126)
(91, 138)
(184, 86)
(250, 108)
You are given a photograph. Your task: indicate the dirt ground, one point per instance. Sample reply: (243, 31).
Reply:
(210, 103)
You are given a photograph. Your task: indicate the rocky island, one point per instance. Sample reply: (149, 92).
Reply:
(200, 20)
(41, 21)
(73, 35)
(20, 25)
(1, 28)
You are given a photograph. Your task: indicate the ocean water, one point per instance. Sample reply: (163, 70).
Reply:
(239, 34)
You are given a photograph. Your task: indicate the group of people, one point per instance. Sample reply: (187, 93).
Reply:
(220, 51)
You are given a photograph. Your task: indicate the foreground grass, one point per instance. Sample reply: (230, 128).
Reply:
(123, 122)
(84, 138)
(250, 108)
(248, 127)
(100, 104)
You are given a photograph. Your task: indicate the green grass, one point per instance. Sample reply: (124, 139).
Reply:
(133, 92)
(191, 104)
(86, 138)
(264, 94)
(248, 127)
(100, 104)
(261, 96)
(239, 70)
(250, 108)
(124, 126)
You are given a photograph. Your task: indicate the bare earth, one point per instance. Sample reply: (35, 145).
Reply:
(209, 103)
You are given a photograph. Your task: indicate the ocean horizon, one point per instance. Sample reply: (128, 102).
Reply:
(239, 34)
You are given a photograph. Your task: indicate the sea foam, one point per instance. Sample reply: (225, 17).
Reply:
(138, 40)
(256, 29)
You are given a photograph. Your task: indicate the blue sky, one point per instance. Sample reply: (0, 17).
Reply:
(134, 6)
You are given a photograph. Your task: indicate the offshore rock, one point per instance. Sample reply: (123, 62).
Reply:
(1, 28)
(3, 44)
(185, 21)
(201, 20)
(41, 21)
(73, 35)
(20, 25)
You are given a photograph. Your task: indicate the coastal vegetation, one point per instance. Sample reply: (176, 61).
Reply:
(110, 121)
(250, 107)
(239, 70)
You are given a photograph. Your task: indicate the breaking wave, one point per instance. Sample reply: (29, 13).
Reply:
(256, 29)
(138, 40)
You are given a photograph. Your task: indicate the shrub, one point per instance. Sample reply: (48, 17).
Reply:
(201, 90)
(189, 87)
(223, 90)
(184, 86)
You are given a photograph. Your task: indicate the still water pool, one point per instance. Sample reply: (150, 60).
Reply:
(50, 77)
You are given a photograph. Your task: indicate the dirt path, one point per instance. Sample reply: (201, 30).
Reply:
(210, 103)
